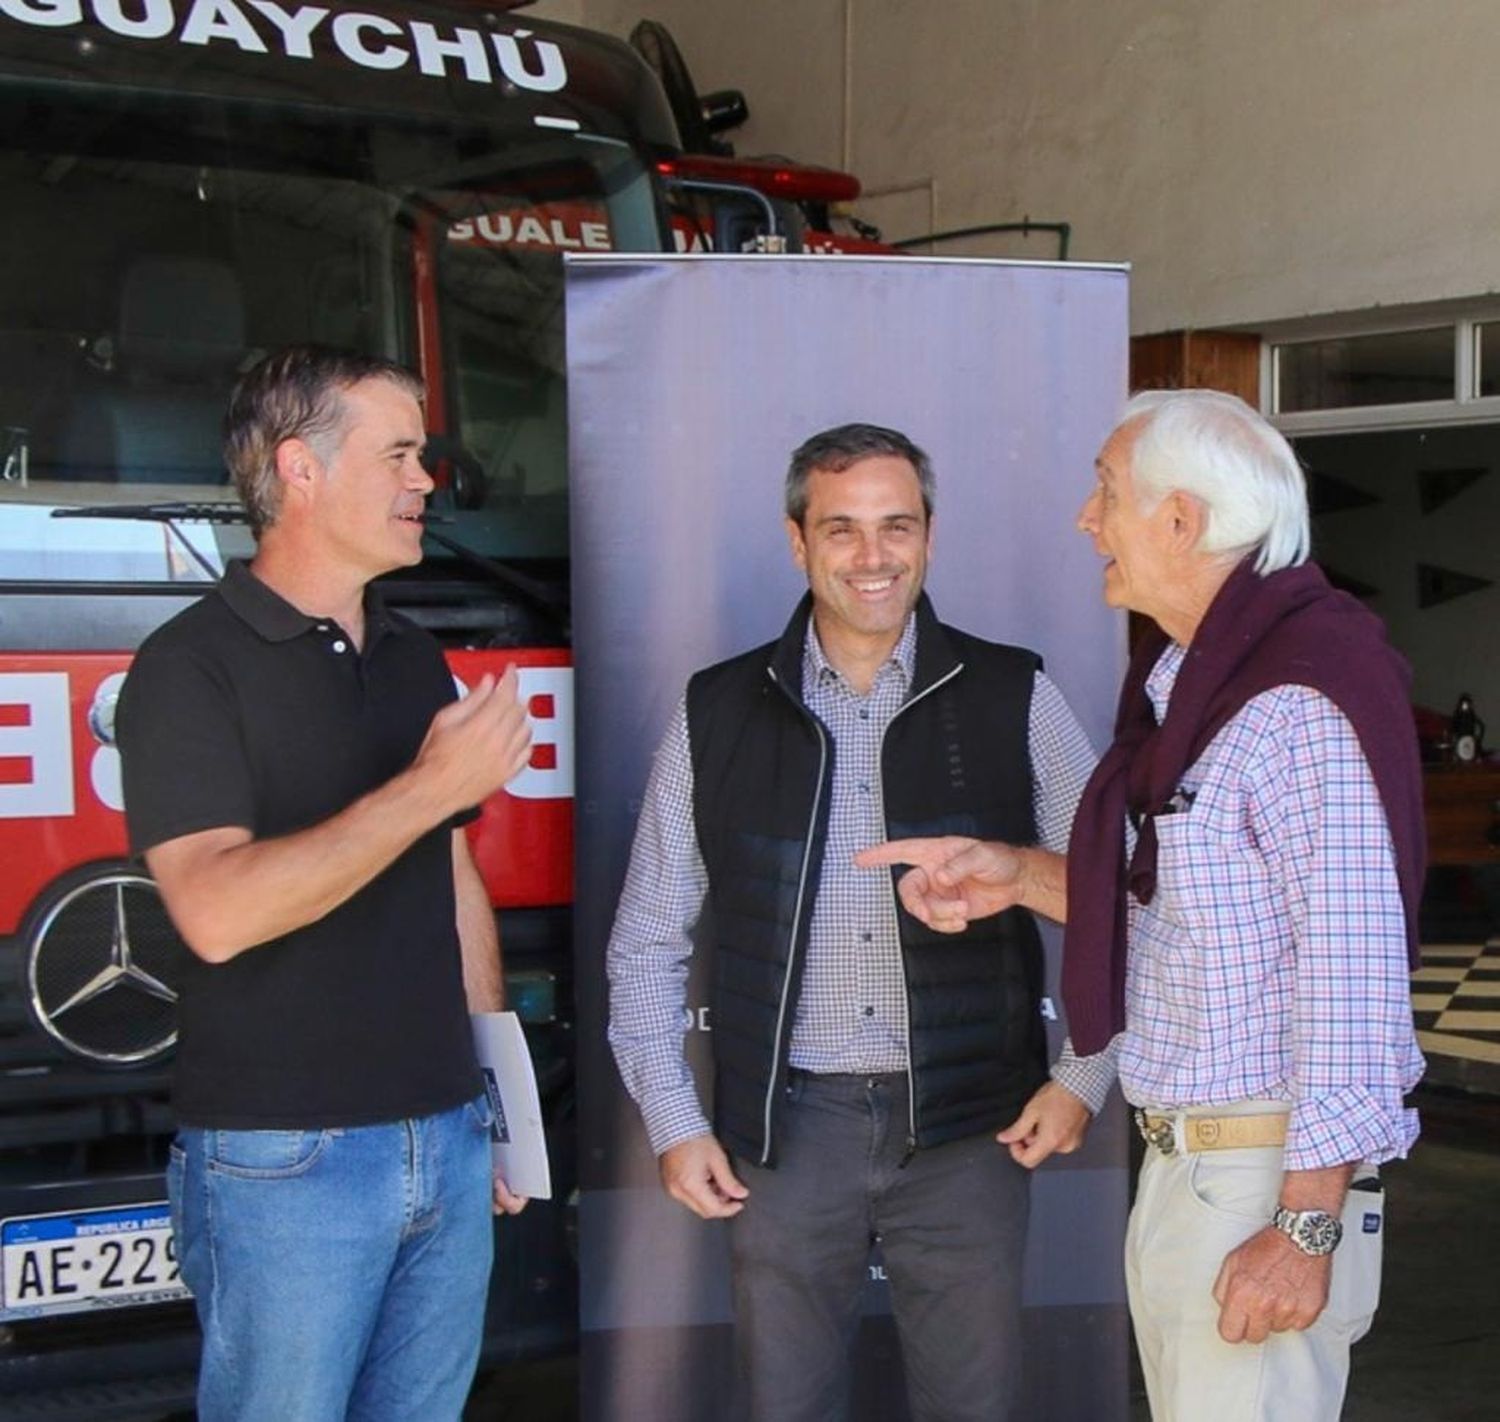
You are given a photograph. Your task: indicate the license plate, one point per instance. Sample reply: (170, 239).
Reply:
(87, 1259)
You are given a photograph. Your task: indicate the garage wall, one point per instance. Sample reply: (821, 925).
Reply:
(1253, 161)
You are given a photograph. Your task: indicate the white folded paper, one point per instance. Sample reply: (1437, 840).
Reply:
(518, 1142)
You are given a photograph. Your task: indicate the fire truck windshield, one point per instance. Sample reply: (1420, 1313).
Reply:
(155, 244)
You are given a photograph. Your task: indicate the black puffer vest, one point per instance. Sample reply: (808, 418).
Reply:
(954, 761)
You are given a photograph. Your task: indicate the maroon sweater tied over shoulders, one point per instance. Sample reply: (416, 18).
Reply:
(1288, 628)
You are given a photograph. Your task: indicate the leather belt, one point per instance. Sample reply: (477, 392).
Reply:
(1212, 1132)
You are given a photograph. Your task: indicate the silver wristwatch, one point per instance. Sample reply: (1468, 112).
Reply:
(1314, 1232)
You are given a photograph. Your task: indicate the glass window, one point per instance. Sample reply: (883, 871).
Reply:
(499, 299)
(1406, 519)
(1487, 357)
(1392, 368)
(156, 245)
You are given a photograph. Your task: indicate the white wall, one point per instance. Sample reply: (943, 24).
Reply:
(1254, 159)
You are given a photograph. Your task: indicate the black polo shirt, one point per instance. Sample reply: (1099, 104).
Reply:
(242, 711)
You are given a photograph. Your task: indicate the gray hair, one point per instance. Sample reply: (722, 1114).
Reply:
(838, 448)
(1216, 448)
(295, 393)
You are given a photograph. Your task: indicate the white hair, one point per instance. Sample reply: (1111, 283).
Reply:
(1216, 448)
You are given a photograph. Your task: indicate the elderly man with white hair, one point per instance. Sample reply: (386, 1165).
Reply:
(1242, 887)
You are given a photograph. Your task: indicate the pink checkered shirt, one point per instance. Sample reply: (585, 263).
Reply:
(1271, 963)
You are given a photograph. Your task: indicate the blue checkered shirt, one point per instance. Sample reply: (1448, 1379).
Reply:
(1271, 963)
(851, 1013)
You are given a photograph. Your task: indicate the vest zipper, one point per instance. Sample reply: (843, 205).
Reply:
(911, 1077)
(791, 956)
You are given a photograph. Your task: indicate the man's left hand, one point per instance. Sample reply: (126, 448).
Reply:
(505, 1201)
(1053, 1120)
(1268, 1286)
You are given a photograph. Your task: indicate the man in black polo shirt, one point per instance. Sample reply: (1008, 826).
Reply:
(296, 774)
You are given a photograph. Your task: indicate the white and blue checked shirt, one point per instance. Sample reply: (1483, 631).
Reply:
(1271, 962)
(851, 1014)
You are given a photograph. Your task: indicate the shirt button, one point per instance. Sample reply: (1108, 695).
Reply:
(865, 937)
(864, 715)
(340, 646)
(864, 786)
(869, 1012)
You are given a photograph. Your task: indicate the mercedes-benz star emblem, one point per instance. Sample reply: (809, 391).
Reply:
(100, 967)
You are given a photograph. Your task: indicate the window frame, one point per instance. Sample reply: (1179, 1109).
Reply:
(1466, 406)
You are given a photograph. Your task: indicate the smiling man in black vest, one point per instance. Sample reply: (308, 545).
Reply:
(872, 1077)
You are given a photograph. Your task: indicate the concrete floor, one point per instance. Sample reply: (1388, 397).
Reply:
(1434, 1352)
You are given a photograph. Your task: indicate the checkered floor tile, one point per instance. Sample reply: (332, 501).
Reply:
(1455, 998)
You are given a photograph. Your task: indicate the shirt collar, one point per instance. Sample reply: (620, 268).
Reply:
(271, 616)
(818, 670)
(1163, 677)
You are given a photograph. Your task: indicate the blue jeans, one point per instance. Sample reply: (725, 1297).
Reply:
(338, 1273)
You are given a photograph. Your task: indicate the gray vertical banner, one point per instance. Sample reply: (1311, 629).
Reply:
(690, 381)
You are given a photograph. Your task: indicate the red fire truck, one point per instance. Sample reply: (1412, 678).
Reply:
(187, 184)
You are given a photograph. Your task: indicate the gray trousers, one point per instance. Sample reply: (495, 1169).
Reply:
(952, 1227)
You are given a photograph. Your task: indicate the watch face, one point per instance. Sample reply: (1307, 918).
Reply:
(1312, 1231)
(1319, 1232)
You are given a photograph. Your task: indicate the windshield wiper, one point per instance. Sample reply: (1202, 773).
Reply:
(221, 512)
(169, 514)
(538, 593)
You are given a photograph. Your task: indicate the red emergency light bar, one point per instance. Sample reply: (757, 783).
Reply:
(794, 182)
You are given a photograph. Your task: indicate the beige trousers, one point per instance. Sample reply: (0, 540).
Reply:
(1190, 1211)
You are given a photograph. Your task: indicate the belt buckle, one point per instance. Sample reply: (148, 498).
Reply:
(1160, 1135)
